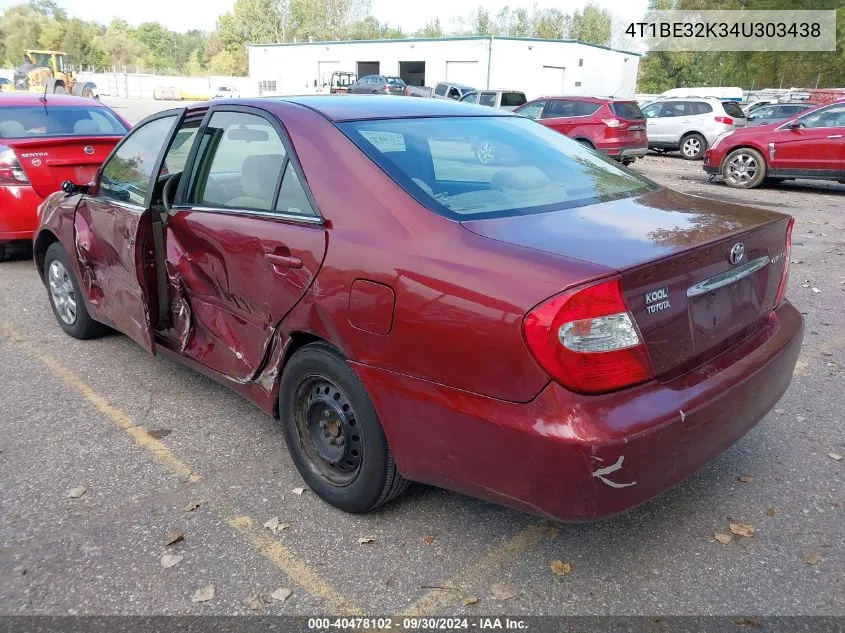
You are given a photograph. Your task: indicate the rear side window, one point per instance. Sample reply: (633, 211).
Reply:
(732, 109)
(38, 121)
(475, 167)
(512, 99)
(242, 164)
(292, 198)
(440, 90)
(677, 108)
(560, 108)
(586, 108)
(626, 110)
(126, 175)
(487, 99)
(699, 107)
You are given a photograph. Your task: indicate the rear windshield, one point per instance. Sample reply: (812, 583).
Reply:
(627, 110)
(395, 80)
(38, 121)
(732, 109)
(512, 99)
(476, 167)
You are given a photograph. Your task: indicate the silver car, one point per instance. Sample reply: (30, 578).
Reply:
(690, 125)
(502, 99)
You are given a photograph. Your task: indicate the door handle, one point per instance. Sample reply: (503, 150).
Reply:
(280, 262)
(835, 136)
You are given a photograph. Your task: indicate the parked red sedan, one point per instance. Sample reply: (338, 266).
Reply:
(810, 146)
(44, 141)
(556, 334)
(614, 128)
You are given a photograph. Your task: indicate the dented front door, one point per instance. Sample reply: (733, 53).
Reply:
(239, 253)
(113, 237)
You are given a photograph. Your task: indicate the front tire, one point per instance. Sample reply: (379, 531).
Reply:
(333, 432)
(693, 146)
(65, 296)
(744, 168)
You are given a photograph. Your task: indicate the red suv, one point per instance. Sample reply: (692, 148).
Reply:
(810, 146)
(614, 128)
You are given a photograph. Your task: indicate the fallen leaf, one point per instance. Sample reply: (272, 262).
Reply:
(724, 539)
(203, 594)
(366, 539)
(298, 491)
(503, 591)
(559, 568)
(470, 600)
(170, 560)
(428, 540)
(272, 524)
(770, 512)
(281, 594)
(173, 537)
(742, 529)
(746, 479)
(76, 493)
(747, 622)
(254, 602)
(192, 506)
(780, 411)
(835, 456)
(815, 290)
(811, 558)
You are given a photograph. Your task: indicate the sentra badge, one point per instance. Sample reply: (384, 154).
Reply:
(657, 300)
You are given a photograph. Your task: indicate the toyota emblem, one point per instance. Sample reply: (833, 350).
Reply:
(89, 149)
(736, 254)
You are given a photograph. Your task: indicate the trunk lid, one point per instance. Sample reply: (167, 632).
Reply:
(689, 300)
(50, 161)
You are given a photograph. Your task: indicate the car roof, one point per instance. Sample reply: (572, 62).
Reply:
(579, 97)
(452, 83)
(369, 107)
(36, 98)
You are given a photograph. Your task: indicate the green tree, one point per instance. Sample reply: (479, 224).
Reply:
(592, 25)
(20, 28)
(551, 24)
(120, 46)
(431, 29)
(228, 63)
(481, 22)
(80, 40)
(49, 8)
(521, 23)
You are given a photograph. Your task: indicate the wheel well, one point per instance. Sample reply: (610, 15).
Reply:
(585, 141)
(39, 250)
(686, 134)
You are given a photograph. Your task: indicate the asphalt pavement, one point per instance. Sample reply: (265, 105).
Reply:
(160, 450)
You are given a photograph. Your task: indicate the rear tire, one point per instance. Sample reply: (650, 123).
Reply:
(333, 432)
(693, 146)
(744, 168)
(66, 298)
(2, 252)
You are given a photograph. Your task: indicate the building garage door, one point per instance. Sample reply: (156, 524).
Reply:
(368, 68)
(463, 73)
(552, 80)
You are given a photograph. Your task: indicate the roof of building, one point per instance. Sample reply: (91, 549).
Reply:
(368, 107)
(443, 39)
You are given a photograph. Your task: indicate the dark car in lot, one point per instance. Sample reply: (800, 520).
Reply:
(616, 128)
(378, 85)
(809, 146)
(411, 314)
(775, 112)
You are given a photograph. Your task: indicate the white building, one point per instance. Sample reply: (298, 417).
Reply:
(538, 67)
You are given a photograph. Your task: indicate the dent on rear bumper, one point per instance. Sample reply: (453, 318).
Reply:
(573, 457)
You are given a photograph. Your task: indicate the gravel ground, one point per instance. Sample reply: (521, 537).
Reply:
(147, 438)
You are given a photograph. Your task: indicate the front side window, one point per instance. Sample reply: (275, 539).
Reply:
(560, 108)
(441, 89)
(832, 116)
(445, 163)
(763, 113)
(675, 109)
(487, 99)
(241, 163)
(472, 97)
(127, 174)
(38, 121)
(652, 111)
(454, 93)
(532, 110)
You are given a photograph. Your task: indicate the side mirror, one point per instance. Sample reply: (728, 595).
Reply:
(71, 188)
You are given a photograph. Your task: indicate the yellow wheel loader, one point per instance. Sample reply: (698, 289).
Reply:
(48, 72)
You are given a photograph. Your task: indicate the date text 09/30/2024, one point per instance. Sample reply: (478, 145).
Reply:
(417, 624)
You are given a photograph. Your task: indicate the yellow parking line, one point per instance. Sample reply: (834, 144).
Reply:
(298, 571)
(482, 569)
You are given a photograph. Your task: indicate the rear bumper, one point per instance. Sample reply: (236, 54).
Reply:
(18, 212)
(624, 153)
(577, 458)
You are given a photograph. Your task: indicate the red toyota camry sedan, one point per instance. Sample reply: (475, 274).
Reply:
(552, 332)
(43, 141)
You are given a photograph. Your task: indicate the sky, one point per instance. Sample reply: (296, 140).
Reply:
(409, 15)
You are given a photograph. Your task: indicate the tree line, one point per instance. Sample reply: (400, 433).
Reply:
(151, 47)
(662, 70)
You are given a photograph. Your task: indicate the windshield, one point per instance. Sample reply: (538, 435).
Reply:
(476, 167)
(38, 121)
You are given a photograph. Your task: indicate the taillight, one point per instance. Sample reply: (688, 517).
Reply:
(386, 87)
(11, 172)
(587, 341)
(725, 119)
(785, 276)
(615, 123)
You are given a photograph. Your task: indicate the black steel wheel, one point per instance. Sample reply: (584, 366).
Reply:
(333, 432)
